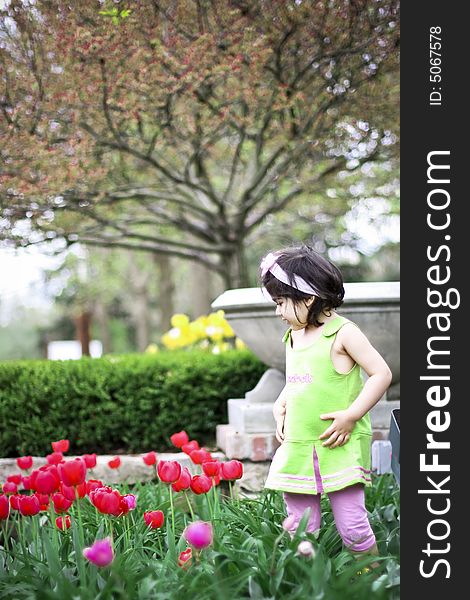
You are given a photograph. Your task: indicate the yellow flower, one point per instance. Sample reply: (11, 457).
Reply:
(180, 321)
(239, 344)
(152, 349)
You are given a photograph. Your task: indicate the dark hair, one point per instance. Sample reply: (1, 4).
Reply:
(316, 270)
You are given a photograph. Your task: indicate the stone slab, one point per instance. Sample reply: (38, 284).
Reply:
(252, 446)
(248, 417)
(132, 467)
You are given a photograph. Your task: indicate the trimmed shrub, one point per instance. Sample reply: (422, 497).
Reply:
(130, 403)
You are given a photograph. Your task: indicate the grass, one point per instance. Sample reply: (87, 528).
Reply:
(251, 556)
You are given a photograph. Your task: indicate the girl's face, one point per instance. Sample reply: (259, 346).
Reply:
(297, 318)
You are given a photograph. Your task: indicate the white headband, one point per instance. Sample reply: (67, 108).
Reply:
(269, 264)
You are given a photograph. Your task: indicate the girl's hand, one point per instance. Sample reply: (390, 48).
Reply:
(340, 430)
(279, 411)
(280, 429)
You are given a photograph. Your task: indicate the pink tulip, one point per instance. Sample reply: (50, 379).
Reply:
(101, 553)
(130, 500)
(199, 534)
(9, 487)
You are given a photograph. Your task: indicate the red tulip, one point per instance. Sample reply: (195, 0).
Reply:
(114, 463)
(185, 557)
(44, 500)
(4, 506)
(63, 523)
(201, 484)
(61, 503)
(73, 472)
(169, 471)
(150, 458)
(45, 480)
(16, 478)
(69, 492)
(93, 484)
(29, 505)
(190, 446)
(55, 458)
(179, 439)
(154, 518)
(233, 469)
(24, 462)
(107, 501)
(9, 487)
(200, 456)
(90, 460)
(211, 468)
(183, 482)
(61, 446)
(27, 482)
(14, 502)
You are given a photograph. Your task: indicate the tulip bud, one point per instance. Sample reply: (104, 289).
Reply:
(306, 549)
(199, 534)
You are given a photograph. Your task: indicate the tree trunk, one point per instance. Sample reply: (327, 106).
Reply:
(201, 290)
(237, 268)
(166, 290)
(140, 302)
(82, 328)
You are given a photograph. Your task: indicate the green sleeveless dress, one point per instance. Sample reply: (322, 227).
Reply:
(314, 387)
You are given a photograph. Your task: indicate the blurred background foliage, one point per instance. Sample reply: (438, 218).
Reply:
(160, 156)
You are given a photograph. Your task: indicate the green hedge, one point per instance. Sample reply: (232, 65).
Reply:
(115, 404)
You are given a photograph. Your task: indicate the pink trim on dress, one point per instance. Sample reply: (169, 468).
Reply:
(339, 473)
(346, 482)
(295, 477)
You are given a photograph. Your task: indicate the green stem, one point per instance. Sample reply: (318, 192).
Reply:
(111, 529)
(55, 534)
(275, 545)
(35, 544)
(209, 504)
(79, 512)
(79, 551)
(172, 510)
(22, 538)
(189, 504)
(215, 498)
(6, 533)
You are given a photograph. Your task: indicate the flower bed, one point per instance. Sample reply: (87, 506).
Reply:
(67, 536)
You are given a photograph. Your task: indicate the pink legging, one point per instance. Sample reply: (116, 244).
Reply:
(349, 511)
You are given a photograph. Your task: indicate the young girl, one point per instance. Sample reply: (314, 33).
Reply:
(322, 419)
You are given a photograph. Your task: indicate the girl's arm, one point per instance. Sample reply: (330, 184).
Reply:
(356, 344)
(279, 412)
